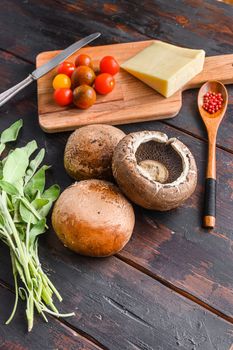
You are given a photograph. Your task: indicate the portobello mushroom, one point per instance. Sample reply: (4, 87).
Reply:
(93, 218)
(89, 150)
(154, 171)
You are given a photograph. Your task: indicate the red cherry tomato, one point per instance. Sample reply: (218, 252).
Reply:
(104, 83)
(66, 68)
(63, 97)
(108, 64)
(83, 60)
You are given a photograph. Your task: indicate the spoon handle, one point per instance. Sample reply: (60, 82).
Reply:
(210, 203)
(210, 186)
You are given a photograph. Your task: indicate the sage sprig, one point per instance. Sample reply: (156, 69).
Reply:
(24, 205)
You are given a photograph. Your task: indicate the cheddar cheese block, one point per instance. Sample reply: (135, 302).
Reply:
(165, 67)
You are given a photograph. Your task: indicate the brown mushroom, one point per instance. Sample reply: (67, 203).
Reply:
(153, 171)
(89, 150)
(93, 218)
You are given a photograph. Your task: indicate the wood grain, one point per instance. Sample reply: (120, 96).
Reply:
(164, 244)
(52, 335)
(173, 245)
(190, 122)
(33, 29)
(174, 22)
(123, 308)
(131, 100)
(170, 245)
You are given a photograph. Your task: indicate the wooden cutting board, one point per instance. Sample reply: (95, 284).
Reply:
(130, 102)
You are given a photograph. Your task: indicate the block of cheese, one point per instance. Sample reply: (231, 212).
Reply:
(165, 67)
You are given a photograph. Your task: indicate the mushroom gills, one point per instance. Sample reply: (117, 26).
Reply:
(154, 170)
(167, 163)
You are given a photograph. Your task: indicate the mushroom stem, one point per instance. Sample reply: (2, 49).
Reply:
(154, 170)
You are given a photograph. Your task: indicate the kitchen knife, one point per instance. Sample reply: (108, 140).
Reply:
(45, 68)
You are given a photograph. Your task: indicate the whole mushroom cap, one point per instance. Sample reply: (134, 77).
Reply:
(92, 217)
(88, 152)
(132, 159)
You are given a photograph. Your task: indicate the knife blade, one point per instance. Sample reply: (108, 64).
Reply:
(45, 68)
(39, 72)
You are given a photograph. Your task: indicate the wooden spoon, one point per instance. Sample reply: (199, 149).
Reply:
(212, 122)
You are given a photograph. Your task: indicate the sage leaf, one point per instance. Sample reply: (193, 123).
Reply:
(30, 148)
(37, 182)
(45, 209)
(15, 165)
(33, 165)
(12, 132)
(52, 193)
(26, 214)
(21, 230)
(9, 188)
(23, 207)
(20, 186)
(39, 203)
(36, 230)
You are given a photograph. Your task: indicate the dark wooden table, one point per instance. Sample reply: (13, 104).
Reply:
(172, 285)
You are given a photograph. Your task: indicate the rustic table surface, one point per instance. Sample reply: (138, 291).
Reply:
(172, 285)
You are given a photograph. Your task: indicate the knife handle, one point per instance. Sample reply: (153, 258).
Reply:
(8, 94)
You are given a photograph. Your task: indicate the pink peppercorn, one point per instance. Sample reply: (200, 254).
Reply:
(212, 102)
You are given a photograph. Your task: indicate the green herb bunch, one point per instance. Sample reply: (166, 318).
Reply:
(24, 205)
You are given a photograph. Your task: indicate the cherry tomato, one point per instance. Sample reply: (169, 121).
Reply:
(104, 83)
(108, 64)
(61, 81)
(82, 75)
(63, 97)
(83, 60)
(66, 68)
(84, 96)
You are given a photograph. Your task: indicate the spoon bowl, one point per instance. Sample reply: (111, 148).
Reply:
(217, 87)
(212, 122)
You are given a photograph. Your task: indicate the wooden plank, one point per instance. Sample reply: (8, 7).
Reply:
(52, 335)
(123, 308)
(189, 120)
(131, 100)
(176, 248)
(192, 259)
(55, 143)
(175, 22)
(37, 26)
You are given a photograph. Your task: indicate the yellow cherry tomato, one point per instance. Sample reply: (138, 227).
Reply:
(61, 81)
